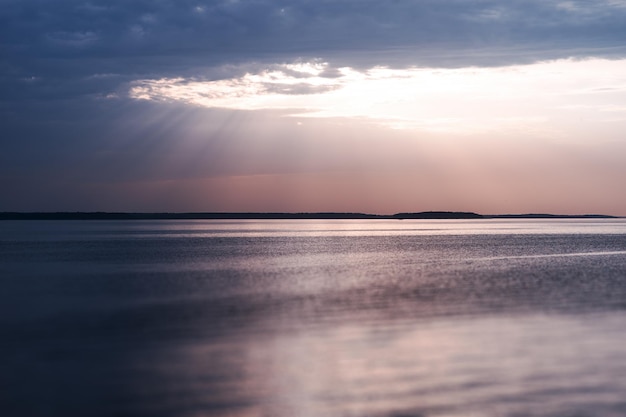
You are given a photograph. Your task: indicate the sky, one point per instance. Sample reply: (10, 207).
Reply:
(313, 106)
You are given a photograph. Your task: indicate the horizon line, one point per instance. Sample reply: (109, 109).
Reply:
(422, 215)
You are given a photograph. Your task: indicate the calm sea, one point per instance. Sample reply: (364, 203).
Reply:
(377, 318)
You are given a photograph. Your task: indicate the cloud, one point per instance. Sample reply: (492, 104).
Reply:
(73, 39)
(251, 91)
(434, 99)
(66, 43)
(68, 39)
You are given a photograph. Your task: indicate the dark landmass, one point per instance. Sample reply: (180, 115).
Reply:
(280, 216)
(549, 216)
(182, 216)
(437, 215)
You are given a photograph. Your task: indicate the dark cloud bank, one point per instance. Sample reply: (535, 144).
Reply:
(65, 48)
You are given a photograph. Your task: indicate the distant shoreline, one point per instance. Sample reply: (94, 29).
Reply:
(424, 215)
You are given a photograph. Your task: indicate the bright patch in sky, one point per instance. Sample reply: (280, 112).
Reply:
(457, 100)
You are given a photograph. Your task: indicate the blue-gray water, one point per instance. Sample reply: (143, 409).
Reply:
(376, 318)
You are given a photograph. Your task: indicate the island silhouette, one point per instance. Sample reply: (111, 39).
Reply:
(423, 215)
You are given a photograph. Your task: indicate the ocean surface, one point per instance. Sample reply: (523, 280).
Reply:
(381, 318)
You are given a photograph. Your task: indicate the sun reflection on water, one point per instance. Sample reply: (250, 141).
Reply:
(467, 366)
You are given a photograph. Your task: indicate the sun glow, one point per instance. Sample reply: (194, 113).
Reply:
(460, 100)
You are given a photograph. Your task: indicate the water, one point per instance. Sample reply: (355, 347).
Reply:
(374, 318)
